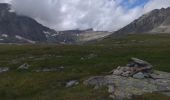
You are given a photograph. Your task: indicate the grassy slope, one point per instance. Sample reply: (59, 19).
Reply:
(80, 62)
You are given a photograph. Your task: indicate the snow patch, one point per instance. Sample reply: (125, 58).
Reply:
(4, 35)
(11, 11)
(24, 39)
(48, 34)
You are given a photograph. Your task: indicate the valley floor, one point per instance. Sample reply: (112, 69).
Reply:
(78, 62)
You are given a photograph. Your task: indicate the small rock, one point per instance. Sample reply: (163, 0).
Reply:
(4, 69)
(117, 72)
(139, 75)
(90, 56)
(72, 83)
(134, 40)
(24, 66)
(61, 67)
(82, 58)
(126, 74)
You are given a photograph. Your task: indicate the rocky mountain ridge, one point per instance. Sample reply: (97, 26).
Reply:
(156, 21)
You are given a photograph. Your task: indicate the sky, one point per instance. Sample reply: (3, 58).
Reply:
(101, 15)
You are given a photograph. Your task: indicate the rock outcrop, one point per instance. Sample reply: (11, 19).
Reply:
(125, 82)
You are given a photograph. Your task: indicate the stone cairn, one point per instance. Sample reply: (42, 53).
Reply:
(136, 68)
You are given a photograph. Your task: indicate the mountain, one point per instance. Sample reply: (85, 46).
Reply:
(21, 29)
(15, 28)
(156, 21)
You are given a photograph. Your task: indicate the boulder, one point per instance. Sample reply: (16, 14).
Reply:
(121, 88)
(136, 78)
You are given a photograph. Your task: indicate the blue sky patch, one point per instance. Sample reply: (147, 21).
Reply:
(135, 3)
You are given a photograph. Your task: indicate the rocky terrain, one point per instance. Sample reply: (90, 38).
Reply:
(156, 21)
(136, 78)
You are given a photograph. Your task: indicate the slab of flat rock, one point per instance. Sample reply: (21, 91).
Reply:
(121, 87)
(139, 61)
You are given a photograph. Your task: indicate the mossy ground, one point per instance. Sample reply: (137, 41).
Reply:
(79, 62)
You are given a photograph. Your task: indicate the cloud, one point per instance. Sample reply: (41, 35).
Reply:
(105, 15)
(5, 1)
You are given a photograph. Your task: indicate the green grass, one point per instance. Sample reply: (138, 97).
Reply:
(79, 62)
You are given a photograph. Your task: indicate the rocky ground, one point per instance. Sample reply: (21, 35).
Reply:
(123, 86)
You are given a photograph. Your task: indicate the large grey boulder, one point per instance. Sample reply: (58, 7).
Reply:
(136, 78)
(121, 87)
